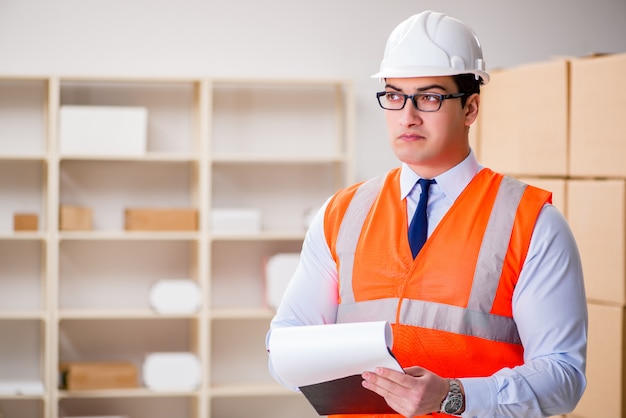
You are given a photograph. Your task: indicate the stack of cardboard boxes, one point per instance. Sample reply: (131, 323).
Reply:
(558, 125)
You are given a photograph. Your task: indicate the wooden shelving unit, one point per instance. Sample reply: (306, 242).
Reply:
(278, 146)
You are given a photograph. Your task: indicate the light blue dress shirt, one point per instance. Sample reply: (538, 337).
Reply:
(549, 306)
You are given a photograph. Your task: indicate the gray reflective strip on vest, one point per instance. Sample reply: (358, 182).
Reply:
(350, 231)
(495, 245)
(433, 315)
(475, 320)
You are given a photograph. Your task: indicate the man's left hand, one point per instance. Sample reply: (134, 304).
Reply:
(416, 392)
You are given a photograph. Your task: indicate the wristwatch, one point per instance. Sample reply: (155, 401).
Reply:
(453, 403)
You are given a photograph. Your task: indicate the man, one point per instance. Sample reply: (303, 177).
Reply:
(489, 316)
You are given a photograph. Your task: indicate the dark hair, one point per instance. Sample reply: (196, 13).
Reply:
(467, 83)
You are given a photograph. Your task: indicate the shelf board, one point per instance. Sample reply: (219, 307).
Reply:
(129, 235)
(296, 82)
(217, 391)
(23, 236)
(8, 397)
(277, 159)
(259, 236)
(22, 315)
(125, 393)
(91, 314)
(250, 389)
(249, 313)
(147, 158)
(101, 78)
(23, 157)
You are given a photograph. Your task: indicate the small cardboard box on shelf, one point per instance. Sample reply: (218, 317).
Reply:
(97, 375)
(75, 218)
(25, 221)
(171, 219)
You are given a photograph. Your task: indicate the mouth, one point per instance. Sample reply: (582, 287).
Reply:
(410, 136)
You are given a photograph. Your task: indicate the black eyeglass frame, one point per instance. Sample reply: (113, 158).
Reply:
(442, 97)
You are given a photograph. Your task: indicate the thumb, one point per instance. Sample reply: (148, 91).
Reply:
(415, 371)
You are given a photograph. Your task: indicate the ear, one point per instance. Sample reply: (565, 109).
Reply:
(471, 109)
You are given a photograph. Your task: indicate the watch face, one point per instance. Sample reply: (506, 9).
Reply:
(453, 405)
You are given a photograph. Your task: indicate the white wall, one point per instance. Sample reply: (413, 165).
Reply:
(286, 38)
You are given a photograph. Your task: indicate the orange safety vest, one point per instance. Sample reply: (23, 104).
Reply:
(450, 307)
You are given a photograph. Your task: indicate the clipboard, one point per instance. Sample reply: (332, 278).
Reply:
(326, 362)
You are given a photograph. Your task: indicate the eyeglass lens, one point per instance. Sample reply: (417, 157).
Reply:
(427, 102)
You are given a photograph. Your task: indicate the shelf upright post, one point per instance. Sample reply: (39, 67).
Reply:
(52, 248)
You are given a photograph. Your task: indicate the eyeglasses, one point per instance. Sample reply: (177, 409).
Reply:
(426, 102)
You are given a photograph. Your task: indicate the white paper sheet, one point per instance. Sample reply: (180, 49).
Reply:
(307, 355)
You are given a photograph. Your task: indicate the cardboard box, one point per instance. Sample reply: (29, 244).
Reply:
(596, 213)
(75, 218)
(556, 186)
(161, 219)
(598, 138)
(605, 395)
(98, 375)
(103, 130)
(236, 220)
(524, 120)
(25, 222)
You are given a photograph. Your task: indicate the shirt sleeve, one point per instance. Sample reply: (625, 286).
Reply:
(311, 296)
(549, 308)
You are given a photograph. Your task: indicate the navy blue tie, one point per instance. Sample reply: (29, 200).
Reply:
(418, 229)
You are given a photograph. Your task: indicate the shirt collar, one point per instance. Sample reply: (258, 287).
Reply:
(451, 182)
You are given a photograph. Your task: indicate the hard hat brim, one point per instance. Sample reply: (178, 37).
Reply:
(429, 72)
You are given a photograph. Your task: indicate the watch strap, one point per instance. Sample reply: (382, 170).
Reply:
(454, 401)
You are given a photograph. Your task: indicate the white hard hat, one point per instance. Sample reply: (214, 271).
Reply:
(432, 44)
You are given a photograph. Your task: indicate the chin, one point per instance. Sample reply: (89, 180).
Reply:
(411, 158)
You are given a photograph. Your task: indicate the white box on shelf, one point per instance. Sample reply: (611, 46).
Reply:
(175, 296)
(176, 371)
(103, 130)
(278, 271)
(235, 220)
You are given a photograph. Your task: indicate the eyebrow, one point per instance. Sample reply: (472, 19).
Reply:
(425, 88)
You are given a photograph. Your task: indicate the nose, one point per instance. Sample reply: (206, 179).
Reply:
(410, 115)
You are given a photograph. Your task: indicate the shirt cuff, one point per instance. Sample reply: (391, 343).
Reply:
(480, 396)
